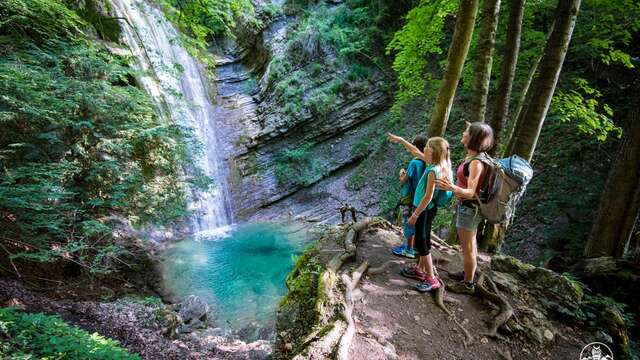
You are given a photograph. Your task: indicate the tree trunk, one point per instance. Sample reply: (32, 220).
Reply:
(484, 60)
(466, 18)
(516, 125)
(544, 85)
(620, 201)
(503, 94)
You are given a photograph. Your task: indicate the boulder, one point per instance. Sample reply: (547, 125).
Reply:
(193, 313)
(554, 291)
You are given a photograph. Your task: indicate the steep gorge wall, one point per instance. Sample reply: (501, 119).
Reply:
(263, 130)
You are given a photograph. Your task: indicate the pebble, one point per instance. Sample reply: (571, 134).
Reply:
(426, 332)
(416, 318)
(548, 334)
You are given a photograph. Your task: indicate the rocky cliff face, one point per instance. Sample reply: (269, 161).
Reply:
(292, 114)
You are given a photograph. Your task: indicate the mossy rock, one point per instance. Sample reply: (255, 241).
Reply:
(555, 292)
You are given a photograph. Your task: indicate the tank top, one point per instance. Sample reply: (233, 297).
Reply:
(463, 182)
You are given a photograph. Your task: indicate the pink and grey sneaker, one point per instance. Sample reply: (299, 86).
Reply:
(413, 273)
(428, 284)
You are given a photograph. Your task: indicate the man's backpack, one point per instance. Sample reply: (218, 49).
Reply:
(504, 182)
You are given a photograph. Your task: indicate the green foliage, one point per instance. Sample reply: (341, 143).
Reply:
(593, 306)
(205, 19)
(29, 336)
(200, 21)
(605, 31)
(421, 35)
(79, 143)
(298, 167)
(37, 20)
(581, 107)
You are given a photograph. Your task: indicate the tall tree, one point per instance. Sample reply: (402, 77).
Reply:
(620, 201)
(466, 19)
(543, 86)
(512, 47)
(484, 58)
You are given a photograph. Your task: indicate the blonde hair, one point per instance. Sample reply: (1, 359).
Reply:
(440, 155)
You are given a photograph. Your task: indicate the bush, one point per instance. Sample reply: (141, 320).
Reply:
(29, 336)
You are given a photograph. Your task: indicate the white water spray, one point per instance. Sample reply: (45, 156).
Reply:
(178, 87)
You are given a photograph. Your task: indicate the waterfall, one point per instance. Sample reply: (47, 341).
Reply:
(179, 89)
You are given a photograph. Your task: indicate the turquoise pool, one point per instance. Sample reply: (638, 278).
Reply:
(239, 271)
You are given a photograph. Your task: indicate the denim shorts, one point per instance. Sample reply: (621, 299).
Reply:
(467, 218)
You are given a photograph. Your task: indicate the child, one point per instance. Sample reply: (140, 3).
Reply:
(436, 154)
(409, 180)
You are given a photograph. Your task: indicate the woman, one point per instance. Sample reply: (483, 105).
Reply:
(477, 139)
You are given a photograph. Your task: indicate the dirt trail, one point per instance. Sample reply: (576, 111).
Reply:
(393, 321)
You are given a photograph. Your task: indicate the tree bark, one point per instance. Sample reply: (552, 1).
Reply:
(516, 124)
(509, 65)
(484, 60)
(466, 18)
(620, 201)
(544, 84)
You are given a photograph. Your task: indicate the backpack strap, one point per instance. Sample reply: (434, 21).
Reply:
(483, 157)
(486, 161)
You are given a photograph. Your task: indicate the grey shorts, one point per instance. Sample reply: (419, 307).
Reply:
(467, 218)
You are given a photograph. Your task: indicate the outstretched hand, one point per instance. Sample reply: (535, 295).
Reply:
(395, 138)
(444, 184)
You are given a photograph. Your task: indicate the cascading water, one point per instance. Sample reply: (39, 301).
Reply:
(177, 85)
(239, 270)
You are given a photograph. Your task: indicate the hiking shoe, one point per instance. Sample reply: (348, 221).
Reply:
(399, 250)
(462, 287)
(459, 275)
(413, 273)
(428, 285)
(409, 253)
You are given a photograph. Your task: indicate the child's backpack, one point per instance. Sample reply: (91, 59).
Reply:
(503, 184)
(440, 197)
(407, 191)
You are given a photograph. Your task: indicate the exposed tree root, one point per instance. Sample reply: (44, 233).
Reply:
(333, 306)
(350, 284)
(439, 298)
(492, 294)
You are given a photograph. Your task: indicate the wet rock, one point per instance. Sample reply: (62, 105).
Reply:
(193, 314)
